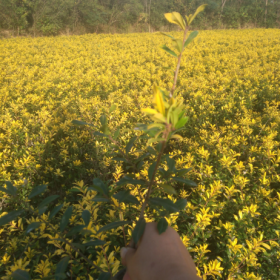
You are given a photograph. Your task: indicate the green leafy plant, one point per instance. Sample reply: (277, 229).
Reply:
(168, 118)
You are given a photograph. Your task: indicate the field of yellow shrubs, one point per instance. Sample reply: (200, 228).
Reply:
(230, 83)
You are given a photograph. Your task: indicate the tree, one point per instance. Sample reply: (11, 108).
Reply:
(48, 17)
(265, 13)
(92, 14)
(36, 9)
(13, 15)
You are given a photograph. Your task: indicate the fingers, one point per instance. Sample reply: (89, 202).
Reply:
(126, 255)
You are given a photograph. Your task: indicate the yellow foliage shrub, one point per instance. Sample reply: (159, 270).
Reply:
(230, 85)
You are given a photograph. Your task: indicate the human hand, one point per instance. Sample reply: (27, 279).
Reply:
(158, 257)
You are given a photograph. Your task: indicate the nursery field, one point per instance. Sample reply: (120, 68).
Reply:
(229, 80)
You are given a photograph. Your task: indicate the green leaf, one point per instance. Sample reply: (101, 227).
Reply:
(185, 181)
(162, 225)
(114, 190)
(178, 44)
(100, 134)
(167, 35)
(2, 189)
(95, 243)
(168, 189)
(59, 275)
(37, 190)
(74, 190)
(10, 217)
(55, 210)
(138, 230)
(86, 217)
(112, 108)
(47, 200)
(165, 48)
(117, 133)
(166, 203)
(114, 225)
(105, 129)
(65, 218)
(99, 186)
(104, 276)
(130, 144)
(103, 120)
(151, 170)
(79, 246)
(140, 164)
(190, 38)
(141, 126)
(181, 204)
(42, 210)
(32, 226)
(171, 164)
(181, 122)
(164, 173)
(61, 267)
(181, 114)
(75, 229)
(183, 171)
(153, 140)
(11, 190)
(152, 151)
(20, 275)
(125, 196)
(99, 198)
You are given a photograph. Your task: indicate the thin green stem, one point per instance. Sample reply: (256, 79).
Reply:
(152, 180)
(178, 64)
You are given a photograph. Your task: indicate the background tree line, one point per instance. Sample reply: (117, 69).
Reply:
(54, 17)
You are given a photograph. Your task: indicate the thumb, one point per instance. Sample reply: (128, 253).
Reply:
(127, 254)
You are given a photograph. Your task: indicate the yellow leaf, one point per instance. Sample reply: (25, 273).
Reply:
(59, 252)
(266, 246)
(179, 20)
(176, 18)
(158, 100)
(149, 111)
(160, 117)
(158, 125)
(169, 17)
(176, 136)
(115, 202)
(198, 10)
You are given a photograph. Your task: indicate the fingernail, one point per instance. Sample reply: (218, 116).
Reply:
(123, 252)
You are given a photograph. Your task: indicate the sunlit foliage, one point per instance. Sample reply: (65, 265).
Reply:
(230, 84)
